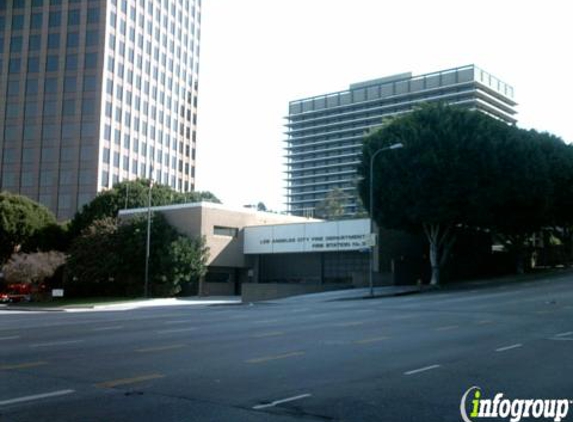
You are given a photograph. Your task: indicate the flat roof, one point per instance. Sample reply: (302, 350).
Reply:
(215, 206)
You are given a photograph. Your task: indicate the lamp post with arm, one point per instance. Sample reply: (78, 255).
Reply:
(371, 188)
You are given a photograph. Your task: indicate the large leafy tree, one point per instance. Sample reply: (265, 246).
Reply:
(109, 258)
(459, 168)
(131, 194)
(21, 219)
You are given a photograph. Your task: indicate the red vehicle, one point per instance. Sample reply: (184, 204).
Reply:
(17, 292)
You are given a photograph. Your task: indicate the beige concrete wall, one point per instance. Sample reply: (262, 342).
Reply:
(199, 219)
(226, 251)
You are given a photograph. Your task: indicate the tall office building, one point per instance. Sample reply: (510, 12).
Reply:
(96, 92)
(325, 133)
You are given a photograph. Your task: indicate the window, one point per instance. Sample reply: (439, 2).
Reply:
(51, 85)
(92, 37)
(55, 19)
(33, 65)
(36, 21)
(93, 15)
(17, 22)
(35, 42)
(73, 17)
(73, 39)
(15, 44)
(90, 83)
(14, 66)
(54, 40)
(225, 231)
(70, 84)
(52, 63)
(69, 107)
(88, 107)
(72, 62)
(32, 87)
(91, 61)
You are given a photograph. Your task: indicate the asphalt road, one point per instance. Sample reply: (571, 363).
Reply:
(407, 358)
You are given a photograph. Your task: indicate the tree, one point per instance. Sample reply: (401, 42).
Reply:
(33, 268)
(93, 259)
(108, 258)
(332, 206)
(131, 194)
(20, 220)
(459, 168)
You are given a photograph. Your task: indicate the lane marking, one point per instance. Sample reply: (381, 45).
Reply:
(543, 312)
(277, 402)
(424, 369)
(485, 321)
(126, 381)
(275, 357)
(22, 365)
(177, 321)
(371, 340)
(447, 327)
(36, 397)
(567, 334)
(114, 327)
(57, 343)
(348, 324)
(176, 330)
(159, 348)
(266, 321)
(271, 334)
(562, 339)
(513, 346)
(9, 338)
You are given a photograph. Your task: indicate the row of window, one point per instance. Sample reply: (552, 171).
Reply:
(52, 41)
(54, 19)
(71, 63)
(21, 4)
(31, 132)
(157, 175)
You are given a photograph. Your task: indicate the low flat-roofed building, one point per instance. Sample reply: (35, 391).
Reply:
(265, 255)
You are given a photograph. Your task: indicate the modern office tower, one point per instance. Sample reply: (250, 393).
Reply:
(325, 132)
(95, 92)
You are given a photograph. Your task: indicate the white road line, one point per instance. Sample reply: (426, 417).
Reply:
(513, 346)
(36, 397)
(277, 402)
(56, 343)
(9, 338)
(266, 321)
(115, 327)
(562, 339)
(176, 330)
(567, 334)
(426, 368)
(179, 321)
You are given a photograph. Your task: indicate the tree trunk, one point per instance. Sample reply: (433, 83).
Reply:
(434, 262)
(441, 240)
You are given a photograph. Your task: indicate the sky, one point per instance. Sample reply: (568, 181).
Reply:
(257, 55)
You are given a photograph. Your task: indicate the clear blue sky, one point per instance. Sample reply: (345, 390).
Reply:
(257, 55)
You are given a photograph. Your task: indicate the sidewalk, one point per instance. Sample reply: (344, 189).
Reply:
(128, 305)
(350, 294)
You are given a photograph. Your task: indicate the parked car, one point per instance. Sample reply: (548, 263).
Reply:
(17, 292)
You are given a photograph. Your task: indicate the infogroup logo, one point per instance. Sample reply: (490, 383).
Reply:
(514, 409)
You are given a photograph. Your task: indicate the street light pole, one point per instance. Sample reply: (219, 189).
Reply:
(148, 243)
(372, 234)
